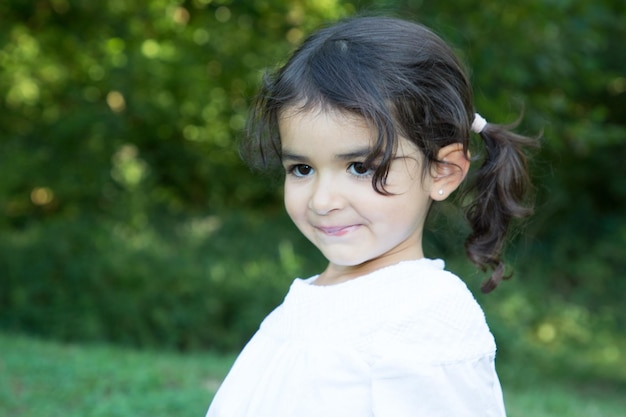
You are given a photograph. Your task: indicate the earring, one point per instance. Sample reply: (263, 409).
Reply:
(441, 192)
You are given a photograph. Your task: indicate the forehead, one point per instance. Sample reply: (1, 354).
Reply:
(300, 126)
(331, 131)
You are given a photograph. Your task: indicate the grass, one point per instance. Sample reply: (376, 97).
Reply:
(536, 392)
(43, 378)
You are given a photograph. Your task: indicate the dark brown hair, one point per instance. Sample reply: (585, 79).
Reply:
(404, 80)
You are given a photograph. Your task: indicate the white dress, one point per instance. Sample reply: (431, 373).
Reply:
(407, 340)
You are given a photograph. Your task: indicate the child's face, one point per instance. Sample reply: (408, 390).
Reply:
(330, 198)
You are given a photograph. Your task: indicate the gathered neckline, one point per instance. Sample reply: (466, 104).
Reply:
(437, 264)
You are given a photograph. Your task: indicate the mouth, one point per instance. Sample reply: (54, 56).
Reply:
(337, 230)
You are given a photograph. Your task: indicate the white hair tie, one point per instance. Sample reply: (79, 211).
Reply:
(479, 123)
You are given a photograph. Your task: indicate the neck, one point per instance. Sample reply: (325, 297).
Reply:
(336, 274)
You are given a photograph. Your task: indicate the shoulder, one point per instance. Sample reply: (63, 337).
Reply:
(425, 287)
(435, 315)
(413, 305)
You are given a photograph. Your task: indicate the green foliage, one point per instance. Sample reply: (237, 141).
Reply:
(104, 101)
(196, 285)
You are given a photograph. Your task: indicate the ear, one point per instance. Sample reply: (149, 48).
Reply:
(448, 174)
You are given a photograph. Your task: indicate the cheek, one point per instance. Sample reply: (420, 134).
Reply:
(406, 169)
(292, 200)
(402, 181)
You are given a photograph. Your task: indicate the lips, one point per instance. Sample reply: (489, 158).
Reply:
(337, 230)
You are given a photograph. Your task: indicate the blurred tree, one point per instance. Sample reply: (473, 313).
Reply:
(103, 101)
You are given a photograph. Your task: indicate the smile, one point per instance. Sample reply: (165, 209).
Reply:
(337, 230)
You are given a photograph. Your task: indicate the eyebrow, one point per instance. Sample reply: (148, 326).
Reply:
(355, 154)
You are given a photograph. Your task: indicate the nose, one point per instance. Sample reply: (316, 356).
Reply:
(326, 196)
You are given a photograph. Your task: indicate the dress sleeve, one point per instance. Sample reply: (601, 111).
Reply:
(433, 354)
(404, 387)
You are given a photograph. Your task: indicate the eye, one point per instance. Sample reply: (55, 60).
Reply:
(300, 170)
(359, 169)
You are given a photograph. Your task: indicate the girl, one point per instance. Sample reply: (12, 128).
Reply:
(371, 120)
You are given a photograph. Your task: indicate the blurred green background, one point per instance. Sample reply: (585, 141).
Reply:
(128, 218)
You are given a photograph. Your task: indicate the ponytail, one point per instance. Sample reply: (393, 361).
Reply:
(500, 188)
